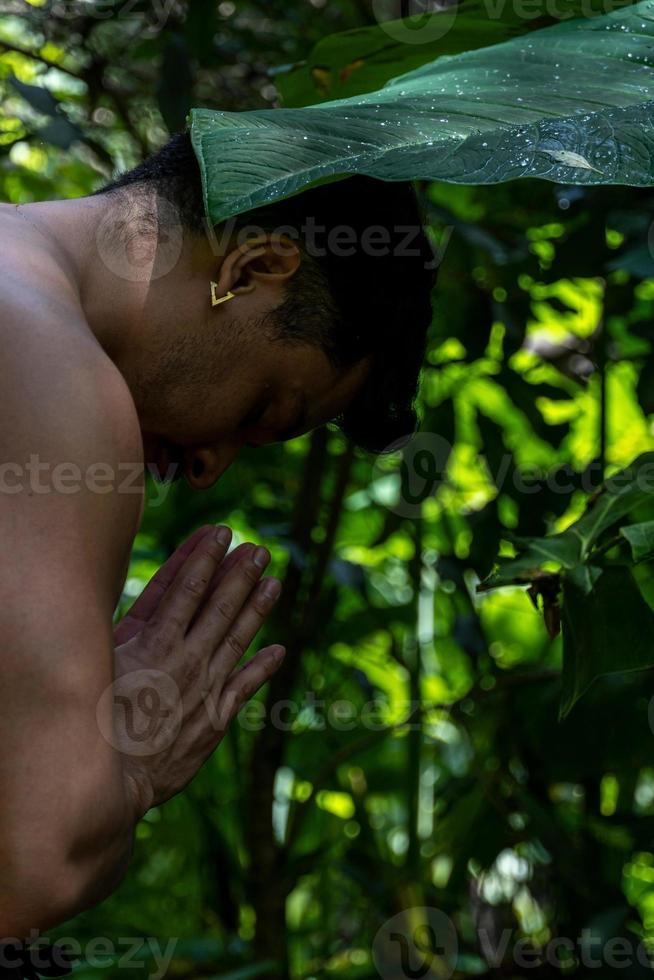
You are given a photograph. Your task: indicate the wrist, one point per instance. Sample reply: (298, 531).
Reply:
(139, 791)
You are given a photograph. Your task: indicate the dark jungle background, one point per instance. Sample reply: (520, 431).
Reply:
(309, 830)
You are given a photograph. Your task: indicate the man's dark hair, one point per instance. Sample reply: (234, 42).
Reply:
(363, 288)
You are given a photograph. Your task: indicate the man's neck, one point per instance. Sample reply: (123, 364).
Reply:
(128, 259)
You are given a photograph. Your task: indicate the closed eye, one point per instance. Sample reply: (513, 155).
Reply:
(297, 425)
(254, 416)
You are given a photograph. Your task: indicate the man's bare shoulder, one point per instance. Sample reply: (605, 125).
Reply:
(50, 360)
(71, 451)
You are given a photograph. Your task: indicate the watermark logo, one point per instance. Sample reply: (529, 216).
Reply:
(410, 472)
(415, 944)
(415, 21)
(141, 713)
(139, 248)
(426, 21)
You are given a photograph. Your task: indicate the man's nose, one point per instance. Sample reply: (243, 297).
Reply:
(204, 465)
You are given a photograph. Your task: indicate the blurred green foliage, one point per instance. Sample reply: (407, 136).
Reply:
(304, 834)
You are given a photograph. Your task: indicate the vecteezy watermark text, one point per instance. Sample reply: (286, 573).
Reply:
(153, 14)
(341, 241)
(427, 21)
(141, 713)
(39, 477)
(423, 942)
(41, 954)
(417, 468)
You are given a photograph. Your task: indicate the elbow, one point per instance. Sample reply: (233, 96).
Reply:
(36, 898)
(47, 890)
(52, 870)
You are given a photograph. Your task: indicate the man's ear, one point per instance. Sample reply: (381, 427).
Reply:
(267, 259)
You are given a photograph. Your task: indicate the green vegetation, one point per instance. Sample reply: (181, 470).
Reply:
(410, 754)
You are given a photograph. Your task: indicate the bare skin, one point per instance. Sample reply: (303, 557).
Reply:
(116, 365)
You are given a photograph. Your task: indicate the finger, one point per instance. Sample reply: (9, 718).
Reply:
(150, 598)
(246, 626)
(239, 554)
(184, 595)
(222, 607)
(245, 682)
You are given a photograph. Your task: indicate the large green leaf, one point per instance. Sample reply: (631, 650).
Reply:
(607, 630)
(641, 539)
(561, 549)
(572, 103)
(622, 495)
(607, 617)
(624, 492)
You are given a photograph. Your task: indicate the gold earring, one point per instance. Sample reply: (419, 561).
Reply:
(217, 300)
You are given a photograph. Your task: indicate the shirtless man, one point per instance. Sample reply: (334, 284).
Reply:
(112, 356)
